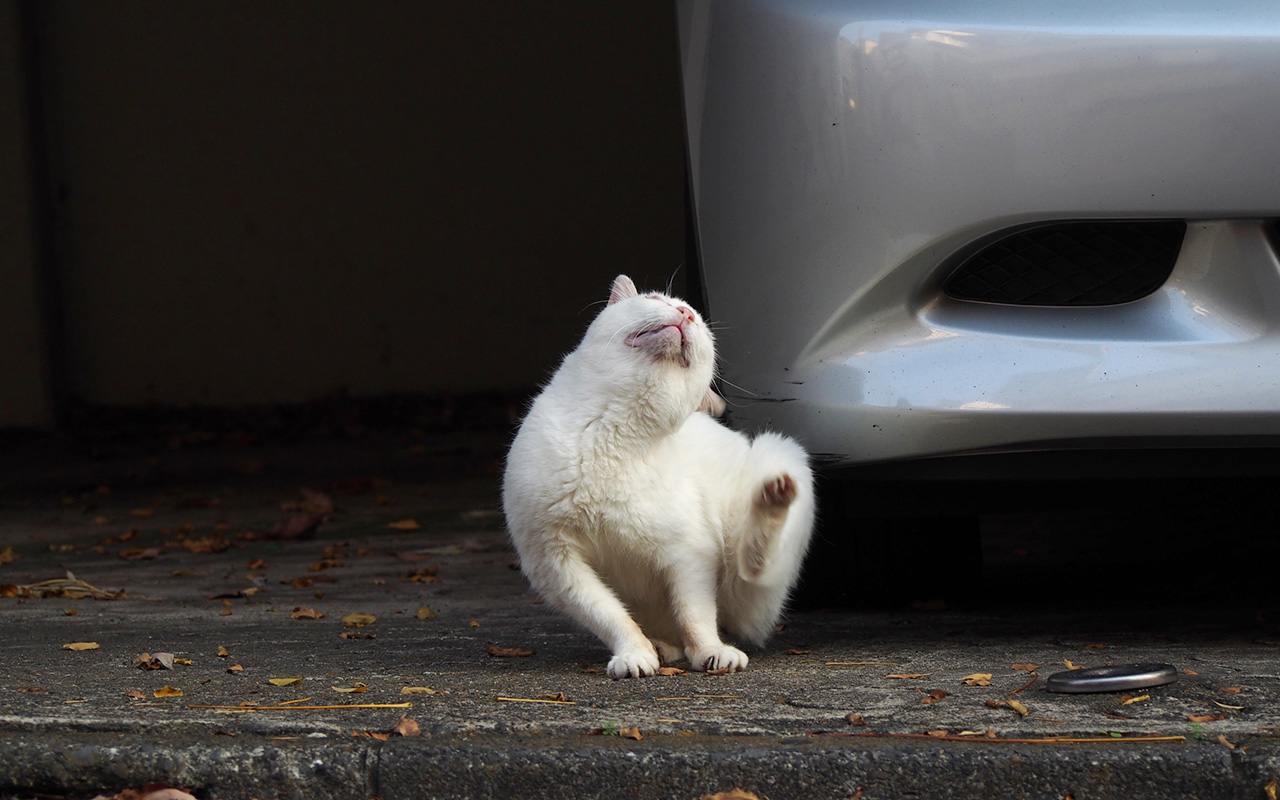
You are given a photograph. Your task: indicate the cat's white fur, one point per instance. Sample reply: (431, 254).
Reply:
(645, 520)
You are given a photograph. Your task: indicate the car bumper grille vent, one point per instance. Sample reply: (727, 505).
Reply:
(1070, 264)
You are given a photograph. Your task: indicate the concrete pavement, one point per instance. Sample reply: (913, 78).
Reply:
(245, 562)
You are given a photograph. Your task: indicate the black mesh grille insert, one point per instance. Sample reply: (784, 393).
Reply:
(1071, 264)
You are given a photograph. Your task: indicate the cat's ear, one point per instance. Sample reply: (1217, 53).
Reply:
(622, 289)
(712, 403)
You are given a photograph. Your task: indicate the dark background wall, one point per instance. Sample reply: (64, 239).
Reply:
(271, 202)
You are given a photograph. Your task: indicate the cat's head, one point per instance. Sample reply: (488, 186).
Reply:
(656, 339)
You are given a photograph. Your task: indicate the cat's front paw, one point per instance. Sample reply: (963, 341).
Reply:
(633, 664)
(721, 657)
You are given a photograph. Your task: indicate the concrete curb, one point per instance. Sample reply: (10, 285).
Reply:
(607, 767)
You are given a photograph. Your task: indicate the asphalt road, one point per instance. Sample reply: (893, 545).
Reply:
(245, 561)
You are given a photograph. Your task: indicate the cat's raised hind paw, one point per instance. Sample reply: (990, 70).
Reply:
(777, 494)
(721, 657)
(633, 664)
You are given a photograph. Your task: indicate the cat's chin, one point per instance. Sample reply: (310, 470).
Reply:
(668, 343)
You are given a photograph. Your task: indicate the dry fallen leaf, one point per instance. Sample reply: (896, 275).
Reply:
(424, 575)
(1067, 661)
(154, 661)
(78, 646)
(284, 681)
(222, 652)
(671, 671)
(933, 697)
(7, 556)
(1229, 690)
(1018, 707)
(418, 690)
(135, 695)
(1270, 789)
(508, 652)
(305, 612)
(977, 679)
(257, 563)
(357, 635)
(630, 733)
(234, 668)
(299, 526)
(909, 676)
(1128, 701)
(856, 720)
(405, 525)
(426, 612)
(357, 688)
(1205, 717)
(732, 794)
(406, 726)
(167, 691)
(1222, 739)
(358, 620)
(939, 734)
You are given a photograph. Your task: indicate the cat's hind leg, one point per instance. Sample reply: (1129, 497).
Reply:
(667, 653)
(773, 538)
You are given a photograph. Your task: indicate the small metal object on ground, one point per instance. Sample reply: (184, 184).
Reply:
(1117, 678)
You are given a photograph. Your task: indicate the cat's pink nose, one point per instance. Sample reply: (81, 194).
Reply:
(686, 311)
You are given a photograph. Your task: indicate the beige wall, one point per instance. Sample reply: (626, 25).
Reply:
(272, 201)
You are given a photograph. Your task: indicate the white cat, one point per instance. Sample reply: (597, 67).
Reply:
(646, 521)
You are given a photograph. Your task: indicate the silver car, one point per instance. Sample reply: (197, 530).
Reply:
(928, 229)
(934, 228)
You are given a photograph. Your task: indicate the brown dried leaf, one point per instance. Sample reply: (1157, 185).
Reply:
(167, 691)
(855, 720)
(79, 646)
(305, 612)
(424, 575)
(1271, 789)
(671, 671)
(405, 525)
(7, 556)
(1018, 707)
(798, 651)
(940, 734)
(405, 726)
(630, 733)
(508, 652)
(1128, 701)
(1206, 717)
(732, 794)
(1229, 690)
(135, 695)
(1027, 667)
(426, 612)
(1067, 661)
(235, 668)
(284, 681)
(909, 676)
(933, 696)
(222, 652)
(206, 544)
(977, 679)
(258, 563)
(357, 635)
(418, 690)
(1222, 739)
(358, 620)
(139, 553)
(357, 688)
(299, 526)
